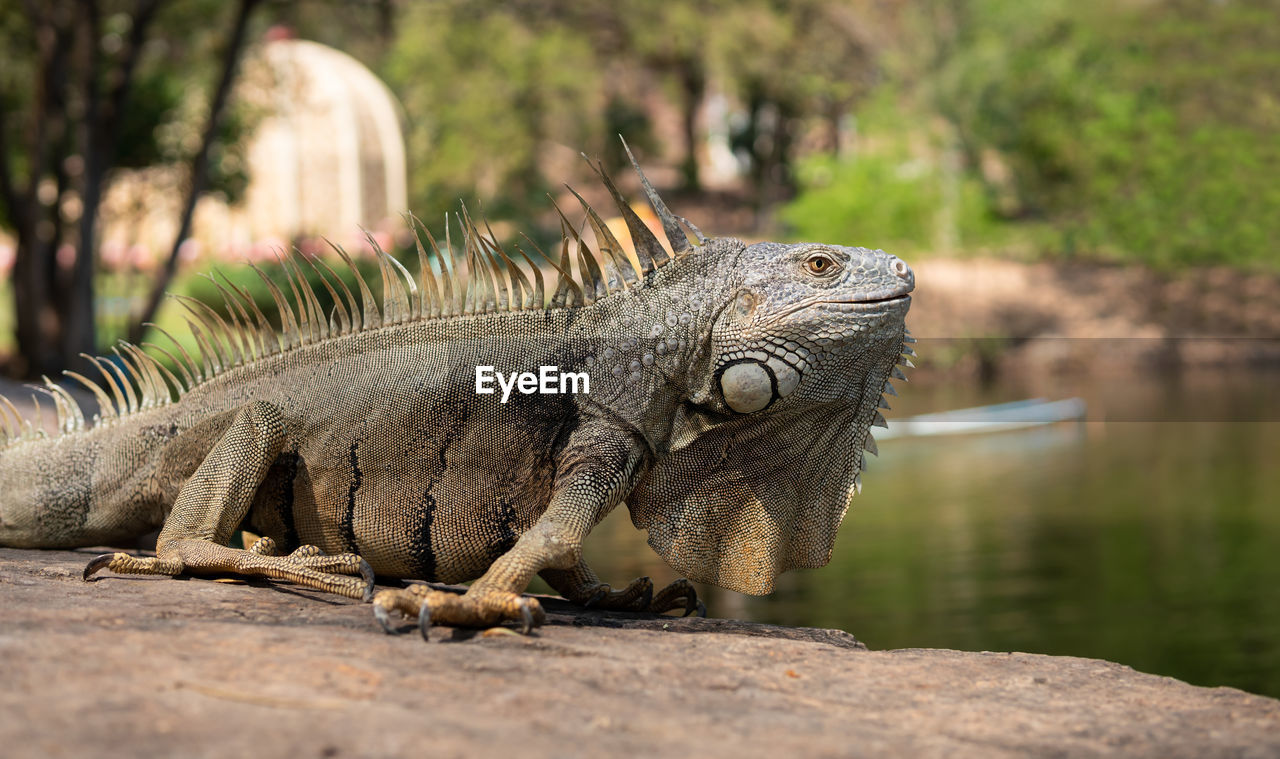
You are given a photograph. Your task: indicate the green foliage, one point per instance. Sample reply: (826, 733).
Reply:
(162, 125)
(488, 91)
(495, 91)
(875, 200)
(157, 99)
(884, 201)
(807, 55)
(886, 196)
(1140, 132)
(166, 107)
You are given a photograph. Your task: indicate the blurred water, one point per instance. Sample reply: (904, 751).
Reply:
(1149, 535)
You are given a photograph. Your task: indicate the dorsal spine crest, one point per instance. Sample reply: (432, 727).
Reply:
(490, 281)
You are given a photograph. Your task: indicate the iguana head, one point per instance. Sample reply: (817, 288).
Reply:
(805, 325)
(766, 450)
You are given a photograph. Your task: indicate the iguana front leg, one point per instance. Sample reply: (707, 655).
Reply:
(580, 585)
(599, 474)
(213, 502)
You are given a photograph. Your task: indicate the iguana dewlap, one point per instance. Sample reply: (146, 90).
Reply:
(724, 392)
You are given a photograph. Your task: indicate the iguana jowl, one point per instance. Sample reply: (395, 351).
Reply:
(731, 391)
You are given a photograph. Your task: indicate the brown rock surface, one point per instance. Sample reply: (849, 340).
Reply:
(1085, 317)
(131, 666)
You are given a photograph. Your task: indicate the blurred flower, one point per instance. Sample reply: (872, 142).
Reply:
(65, 256)
(141, 258)
(190, 250)
(7, 254)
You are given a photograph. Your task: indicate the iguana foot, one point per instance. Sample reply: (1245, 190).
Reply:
(307, 566)
(470, 609)
(639, 596)
(313, 558)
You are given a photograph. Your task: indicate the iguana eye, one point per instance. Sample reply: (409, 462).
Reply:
(819, 264)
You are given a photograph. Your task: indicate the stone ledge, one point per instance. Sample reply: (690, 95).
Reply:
(152, 666)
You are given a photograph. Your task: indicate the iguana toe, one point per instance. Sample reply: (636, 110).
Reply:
(527, 616)
(263, 546)
(125, 564)
(384, 619)
(424, 622)
(311, 557)
(598, 595)
(366, 574)
(407, 601)
(635, 597)
(646, 595)
(677, 594)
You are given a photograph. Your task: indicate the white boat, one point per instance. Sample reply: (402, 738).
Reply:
(1033, 412)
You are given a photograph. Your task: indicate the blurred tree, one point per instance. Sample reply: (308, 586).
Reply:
(488, 84)
(790, 63)
(200, 164)
(85, 86)
(890, 196)
(537, 71)
(1138, 130)
(670, 40)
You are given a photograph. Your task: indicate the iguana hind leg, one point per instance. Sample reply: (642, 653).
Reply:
(580, 585)
(211, 506)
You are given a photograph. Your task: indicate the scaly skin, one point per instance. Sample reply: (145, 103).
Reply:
(731, 391)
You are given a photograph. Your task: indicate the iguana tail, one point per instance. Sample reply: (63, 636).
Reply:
(88, 487)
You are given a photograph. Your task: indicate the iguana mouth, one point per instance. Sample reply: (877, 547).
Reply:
(846, 306)
(854, 305)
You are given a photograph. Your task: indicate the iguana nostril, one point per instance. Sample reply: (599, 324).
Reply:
(900, 268)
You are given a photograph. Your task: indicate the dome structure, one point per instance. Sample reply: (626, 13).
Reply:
(328, 155)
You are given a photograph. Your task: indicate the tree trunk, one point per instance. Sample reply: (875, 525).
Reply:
(199, 166)
(79, 335)
(38, 322)
(70, 115)
(693, 82)
(36, 327)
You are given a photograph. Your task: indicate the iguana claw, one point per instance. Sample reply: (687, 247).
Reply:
(384, 619)
(98, 562)
(526, 617)
(424, 621)
(681, 592)
(646, 599)
(366, 574)
(307, 566)
(598, 595)
(638, 596)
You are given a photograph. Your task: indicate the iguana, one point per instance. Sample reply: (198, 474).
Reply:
(724, 393)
